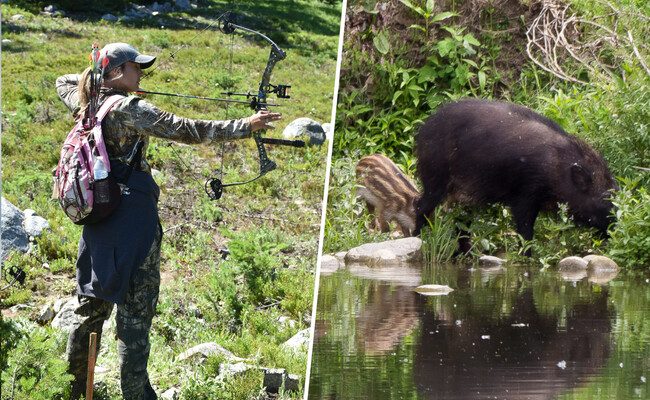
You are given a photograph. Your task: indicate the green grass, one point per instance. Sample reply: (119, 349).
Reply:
(238, 300)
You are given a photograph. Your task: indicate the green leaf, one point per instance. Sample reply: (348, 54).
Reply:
(445, 47)
(481, 79)
(470, 62)
(413, 7)
(381, 42)
(430, 5)
(469, 38)
(427, 74)
(443, 16)
(397, 95)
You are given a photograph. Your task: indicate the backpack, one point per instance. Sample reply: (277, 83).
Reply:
(83, 183)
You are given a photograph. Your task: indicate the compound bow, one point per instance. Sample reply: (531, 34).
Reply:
(214, 186)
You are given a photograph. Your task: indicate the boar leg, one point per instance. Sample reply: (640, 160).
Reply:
(464, 242)
(381, 220)
(428, 202)
(525, 214)
(405, 231)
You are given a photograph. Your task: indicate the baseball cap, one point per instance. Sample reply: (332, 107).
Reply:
(119, 53)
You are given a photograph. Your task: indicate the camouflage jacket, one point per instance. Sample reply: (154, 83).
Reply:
(134, 119)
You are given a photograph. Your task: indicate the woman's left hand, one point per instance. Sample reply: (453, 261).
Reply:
(262, 119)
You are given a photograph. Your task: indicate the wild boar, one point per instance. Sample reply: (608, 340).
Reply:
(478, 152)
(388, 193)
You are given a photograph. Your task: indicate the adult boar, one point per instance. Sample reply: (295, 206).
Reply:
(478, 152)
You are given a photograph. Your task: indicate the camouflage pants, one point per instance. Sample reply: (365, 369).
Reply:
(133, 320)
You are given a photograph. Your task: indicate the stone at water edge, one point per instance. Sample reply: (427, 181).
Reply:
(600, 263)
(329, 264)
(406, 250)
(490, 261)
(433, 290)
(569, 264)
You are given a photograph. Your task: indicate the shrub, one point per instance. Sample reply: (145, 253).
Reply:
(630, 236)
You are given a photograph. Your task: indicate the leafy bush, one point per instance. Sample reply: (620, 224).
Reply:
(31, 372)
(630, 237)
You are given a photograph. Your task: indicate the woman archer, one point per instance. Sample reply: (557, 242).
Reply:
(119, 257)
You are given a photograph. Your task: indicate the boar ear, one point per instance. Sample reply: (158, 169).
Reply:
(580, 177)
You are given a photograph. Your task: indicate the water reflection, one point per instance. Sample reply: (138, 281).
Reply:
(511, 333)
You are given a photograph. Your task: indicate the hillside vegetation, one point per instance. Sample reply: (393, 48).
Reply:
(582, 63)
(270, 227)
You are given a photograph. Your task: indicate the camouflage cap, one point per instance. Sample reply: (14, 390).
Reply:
(119, 53)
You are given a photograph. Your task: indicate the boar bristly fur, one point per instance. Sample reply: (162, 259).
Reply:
(388, 193)
(478, 152)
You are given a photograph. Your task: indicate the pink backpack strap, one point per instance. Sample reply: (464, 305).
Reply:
(107, 106)
(97, 130)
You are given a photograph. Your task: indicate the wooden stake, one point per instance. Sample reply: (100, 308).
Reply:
(92, 355)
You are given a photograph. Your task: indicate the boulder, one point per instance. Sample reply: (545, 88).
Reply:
(34, 225)
(227, 370)
(305, 127)
(286, 321)
(65, 318)
(276, 378)
(172, 393)
(568, 264)
(389, 253)
(14, 236)
(207, 349)
(600, 263)
(46, 314)
(109, 17)
(490, 261)
(298, 341)
(329, 131)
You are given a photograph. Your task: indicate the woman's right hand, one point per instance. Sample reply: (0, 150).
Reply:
(262, 119)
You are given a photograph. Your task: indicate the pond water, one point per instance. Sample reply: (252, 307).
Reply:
(503, 333)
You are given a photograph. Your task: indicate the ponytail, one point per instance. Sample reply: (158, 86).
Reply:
(83, 89)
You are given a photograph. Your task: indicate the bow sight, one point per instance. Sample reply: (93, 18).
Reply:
(214, 186)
